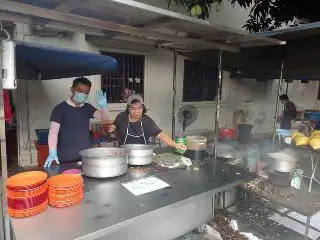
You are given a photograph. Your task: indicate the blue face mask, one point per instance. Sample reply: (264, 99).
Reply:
(80, 97)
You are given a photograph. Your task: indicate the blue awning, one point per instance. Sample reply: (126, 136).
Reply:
(34, 61)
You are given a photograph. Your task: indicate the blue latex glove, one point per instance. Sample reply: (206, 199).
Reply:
(53, 156)
(101, 100)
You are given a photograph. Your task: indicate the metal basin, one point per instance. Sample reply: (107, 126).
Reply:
(104, 162)
(139, 154)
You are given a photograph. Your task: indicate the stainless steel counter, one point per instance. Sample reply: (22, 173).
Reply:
(109, 211)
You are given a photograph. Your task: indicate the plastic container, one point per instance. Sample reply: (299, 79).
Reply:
(42, 136)
(196, 155)
(297, 178)
(196, 143)
(313, 115)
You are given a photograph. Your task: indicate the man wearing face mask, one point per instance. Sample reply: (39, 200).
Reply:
(69, 123)
(289, 112)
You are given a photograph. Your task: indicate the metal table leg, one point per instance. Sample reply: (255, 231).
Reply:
(306, 233)
(314, 168)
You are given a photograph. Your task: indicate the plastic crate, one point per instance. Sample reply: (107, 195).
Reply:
(312, 115)
(42, 136)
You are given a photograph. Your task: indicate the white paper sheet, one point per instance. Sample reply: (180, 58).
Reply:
(145, 185)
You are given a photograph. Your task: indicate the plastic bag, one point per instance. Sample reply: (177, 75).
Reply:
(315, 133)
(314, 142)
(301, 140)
(212, 234)
(296, 134)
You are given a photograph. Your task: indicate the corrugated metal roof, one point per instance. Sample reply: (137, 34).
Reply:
(139, 20)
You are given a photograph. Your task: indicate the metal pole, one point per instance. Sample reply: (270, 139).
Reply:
(4, 167)
(174, 91)
(216, 125)
(277, 104)
(306, 233)
(218, 92)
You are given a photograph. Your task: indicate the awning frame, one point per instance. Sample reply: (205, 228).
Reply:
(31, 62)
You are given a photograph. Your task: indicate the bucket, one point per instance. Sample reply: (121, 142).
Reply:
(244, 133)
(227, 134)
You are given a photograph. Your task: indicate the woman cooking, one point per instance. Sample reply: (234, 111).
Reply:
(135, 127)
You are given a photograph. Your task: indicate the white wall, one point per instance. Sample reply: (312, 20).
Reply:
(228, 15)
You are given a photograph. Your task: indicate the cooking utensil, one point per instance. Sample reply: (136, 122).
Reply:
(281, 161)
(139, 154)
(196, 147)
(104, 162)
(279, 178)
(227, 153)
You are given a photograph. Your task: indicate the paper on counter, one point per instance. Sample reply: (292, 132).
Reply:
(145, 185)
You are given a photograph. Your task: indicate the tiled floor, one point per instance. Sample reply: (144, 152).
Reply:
(297, 227)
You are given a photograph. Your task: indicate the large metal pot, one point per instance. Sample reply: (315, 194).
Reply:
(139, 154)
(281, 161)
(104, 162)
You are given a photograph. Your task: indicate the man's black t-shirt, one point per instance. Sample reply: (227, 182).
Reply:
(150, 128)
(74, 135)
(289, 111)
(289, 114)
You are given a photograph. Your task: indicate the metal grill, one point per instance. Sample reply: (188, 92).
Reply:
(128, 79)
(199, 82)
